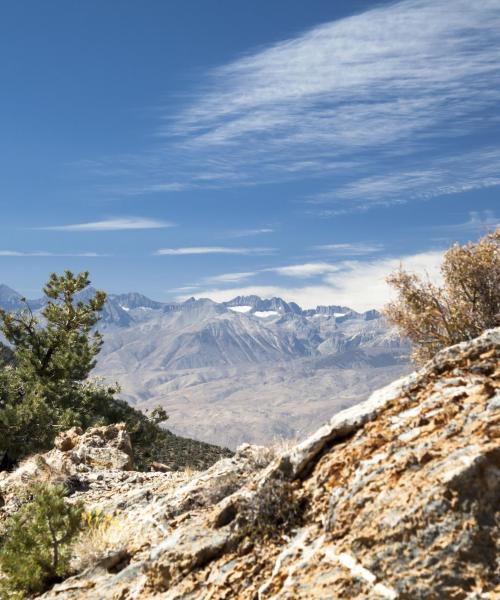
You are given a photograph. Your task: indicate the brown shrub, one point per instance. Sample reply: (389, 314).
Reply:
(434, 317)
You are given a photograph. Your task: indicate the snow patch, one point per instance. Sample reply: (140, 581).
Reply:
(263, 314)
(240, 309)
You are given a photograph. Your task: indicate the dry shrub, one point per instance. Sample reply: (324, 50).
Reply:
(271, 510)
(435, 317)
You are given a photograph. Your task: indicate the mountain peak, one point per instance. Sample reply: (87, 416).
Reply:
(9, 298)
(264, 304)
(132, 300)
(6, 291)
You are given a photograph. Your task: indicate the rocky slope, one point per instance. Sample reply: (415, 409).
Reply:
(398, 497)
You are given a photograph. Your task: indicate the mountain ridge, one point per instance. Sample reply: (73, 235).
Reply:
(10, 299)
(250, 369)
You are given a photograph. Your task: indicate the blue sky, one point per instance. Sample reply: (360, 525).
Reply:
(214, 148)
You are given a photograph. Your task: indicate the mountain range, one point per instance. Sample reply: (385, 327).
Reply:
(246, 370)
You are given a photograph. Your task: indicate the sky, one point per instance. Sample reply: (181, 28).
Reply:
(217, 148)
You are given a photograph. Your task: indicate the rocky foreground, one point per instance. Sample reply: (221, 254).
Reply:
(398, 497)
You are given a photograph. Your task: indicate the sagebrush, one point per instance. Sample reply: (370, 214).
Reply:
(464, 306)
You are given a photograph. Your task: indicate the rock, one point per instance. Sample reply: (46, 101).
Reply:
(75, 454)
(67, 440)
(106, 447)
(398, 497)
(156, 466)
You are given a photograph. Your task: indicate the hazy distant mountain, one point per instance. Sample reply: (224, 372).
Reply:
(250, 369)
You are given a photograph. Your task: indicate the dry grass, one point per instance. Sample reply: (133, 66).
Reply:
(282, 445)
(279, 446)
(104, 535)
(189, 472)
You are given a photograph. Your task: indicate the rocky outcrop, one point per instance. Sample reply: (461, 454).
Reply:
(105, 447)
(76, 454)
(398, 497)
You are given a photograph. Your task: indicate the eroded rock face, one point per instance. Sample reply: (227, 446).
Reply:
(398, 497)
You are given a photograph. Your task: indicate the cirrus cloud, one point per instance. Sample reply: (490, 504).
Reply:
(118, 224)
(190, 250)
(385, 83)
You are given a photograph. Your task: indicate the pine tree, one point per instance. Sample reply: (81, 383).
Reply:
(46, 388)
(6, 355)
(36, 550)
(46, 391)
(63, 350)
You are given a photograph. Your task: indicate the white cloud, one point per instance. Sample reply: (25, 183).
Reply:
(42, 253)
(305, 270)
(360, 285)
(371, 97)
(229, 277)
(451, 175)
(211, 250)
(163, 187)
(183, 289)
(120, 224)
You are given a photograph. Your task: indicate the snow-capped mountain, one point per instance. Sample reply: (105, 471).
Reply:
(249, 369)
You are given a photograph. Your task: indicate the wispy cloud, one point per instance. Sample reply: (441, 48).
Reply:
(299, 271)
(212, 250)
(394, 78)
(229, 277)
(183, 289)
(355, 249)
(370, 107)
(41, 253)
(479, 222)
(239, 233)
(345, 285)
(305, 270)
(119, 224)
(161, 187)
(449, 175)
